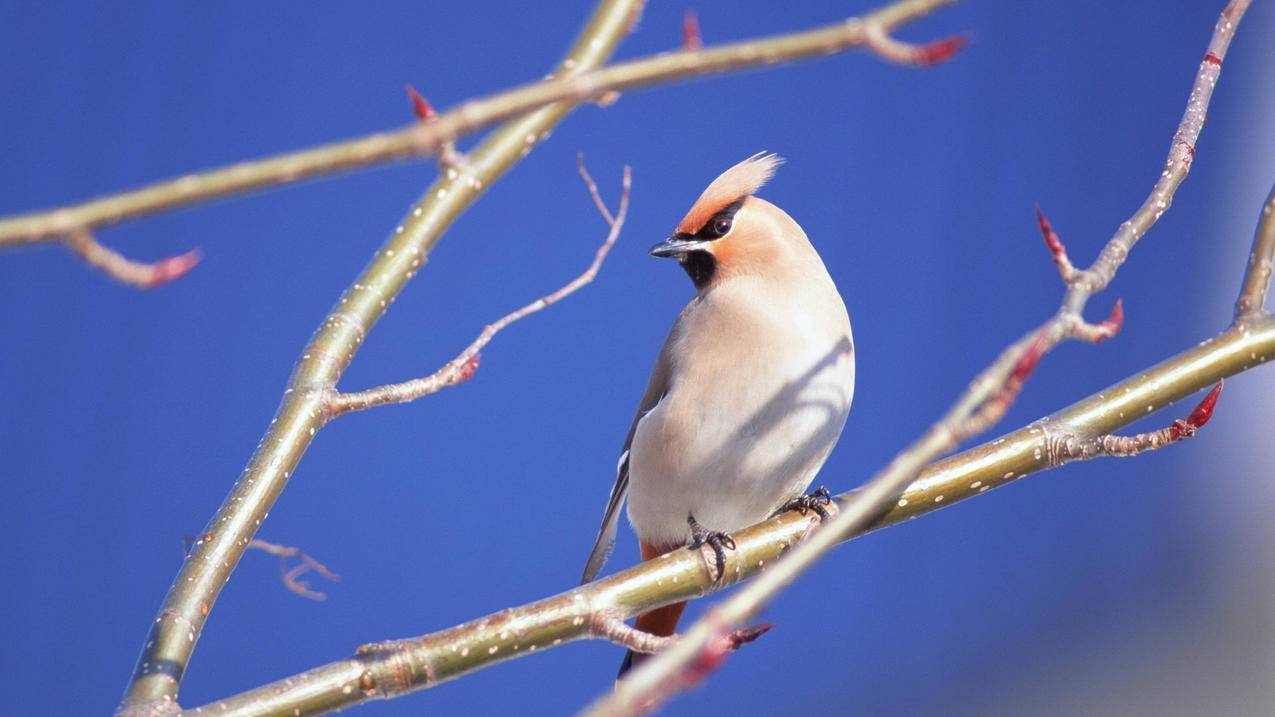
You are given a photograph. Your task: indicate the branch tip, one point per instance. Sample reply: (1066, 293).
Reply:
(692, 40)
(941, 50)
(1028, 362)
(421, 106)
(173, 268)
(119, 267)
(292, 576)
(745, 635)
(1056, 248)
(1204, 410)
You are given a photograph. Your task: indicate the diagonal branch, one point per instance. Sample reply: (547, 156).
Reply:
(173, 634)
(462, 367)
(391, 669)
(1073, 448)
(661, 677)
(1261, 263)
(306, 406)
(571, 83)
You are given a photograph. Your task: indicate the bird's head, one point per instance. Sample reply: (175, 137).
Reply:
(729, 232)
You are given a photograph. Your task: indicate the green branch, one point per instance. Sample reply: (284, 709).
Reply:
(175, 630)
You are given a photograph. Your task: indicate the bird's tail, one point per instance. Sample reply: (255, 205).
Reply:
(661, 621)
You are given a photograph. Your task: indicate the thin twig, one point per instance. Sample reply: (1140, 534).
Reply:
(1261, 262)
(1074, 448)
(692, 38)
(121, 268)
(291, 575)
(462, 367)
(1056, 248)
(172, 636)
(170, 642)
(662, 676)
(432, 659)
(878, 40)
(426, 661)
(421, 139)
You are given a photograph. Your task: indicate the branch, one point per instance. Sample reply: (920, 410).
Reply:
(571, 83)
(462, 367)
(174, 632)
(306, 404)
(905, 53)
(391, 669)
(1261, 262)
(121, 268)
(658, 678)
(291, 575)
(1073, 448)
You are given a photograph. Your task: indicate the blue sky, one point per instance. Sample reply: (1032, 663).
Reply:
(1096, 589)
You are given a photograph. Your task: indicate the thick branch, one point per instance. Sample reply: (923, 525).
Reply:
(463, 366)
(419, 663)
(662, 676)
(569, 83)
(173, 634)
(1261, 263)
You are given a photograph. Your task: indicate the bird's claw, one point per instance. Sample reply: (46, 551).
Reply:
(715, 539)
(818, 500)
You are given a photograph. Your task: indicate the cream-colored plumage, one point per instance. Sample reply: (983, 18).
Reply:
(753, 384)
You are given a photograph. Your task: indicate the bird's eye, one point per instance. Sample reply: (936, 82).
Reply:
(721, 225)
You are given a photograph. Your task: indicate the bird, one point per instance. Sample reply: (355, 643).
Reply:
(749, 393)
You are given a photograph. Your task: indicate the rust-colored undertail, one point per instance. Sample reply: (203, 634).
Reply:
(661, 621)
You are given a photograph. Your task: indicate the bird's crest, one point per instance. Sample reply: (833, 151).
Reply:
(732, 185)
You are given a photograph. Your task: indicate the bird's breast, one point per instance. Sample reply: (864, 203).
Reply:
(757, 399)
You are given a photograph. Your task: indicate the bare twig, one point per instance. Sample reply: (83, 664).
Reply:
(660, 677)
(1056, 248)
(305, 408)
(422, 662)
(121, 268)
(1073, 448)
(173, 634)
(463, 366)
(878, 40)
(615, 629)
(448, 156)
(420, 139)
(692, 39)
(1261, 262)
(679, 575)
(291, 575)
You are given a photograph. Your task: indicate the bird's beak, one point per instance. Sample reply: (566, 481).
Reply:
(677, 245)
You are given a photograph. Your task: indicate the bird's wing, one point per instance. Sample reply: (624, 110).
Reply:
(656, 388)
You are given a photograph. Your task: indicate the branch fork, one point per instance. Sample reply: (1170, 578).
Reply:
(465, 364)
(974, 410)
(1069, 448)
(449, 158)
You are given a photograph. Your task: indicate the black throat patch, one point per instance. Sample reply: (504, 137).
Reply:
(700, 266)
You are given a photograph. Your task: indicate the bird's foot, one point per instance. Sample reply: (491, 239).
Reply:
(818, 500)
(715, 539)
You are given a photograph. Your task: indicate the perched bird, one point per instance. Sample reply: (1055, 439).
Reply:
(751, 388)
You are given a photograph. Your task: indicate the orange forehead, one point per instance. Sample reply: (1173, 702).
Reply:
(735, 183)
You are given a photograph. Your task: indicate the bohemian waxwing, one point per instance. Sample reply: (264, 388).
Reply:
(751, 388)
